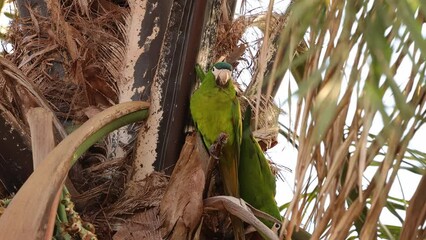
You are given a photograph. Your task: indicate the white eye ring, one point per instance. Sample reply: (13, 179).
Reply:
(214, 71)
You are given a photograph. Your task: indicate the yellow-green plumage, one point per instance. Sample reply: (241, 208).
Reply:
(215, 110)
(257, 183)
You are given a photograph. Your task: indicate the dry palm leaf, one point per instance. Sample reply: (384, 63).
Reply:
(182, 204)
(52, 172)
(238, 208)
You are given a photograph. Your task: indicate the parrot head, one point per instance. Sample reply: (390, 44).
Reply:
(222, 73)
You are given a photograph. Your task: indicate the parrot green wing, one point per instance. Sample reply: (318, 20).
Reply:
(231, 151)
(257, 183)
(199, 72)
(237, 125)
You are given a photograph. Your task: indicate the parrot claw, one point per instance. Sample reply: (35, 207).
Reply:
(216, 148)
(214, 156)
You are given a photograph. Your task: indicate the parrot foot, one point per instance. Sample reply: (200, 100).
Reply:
(216, 148)
(215, 151)
(214, 155)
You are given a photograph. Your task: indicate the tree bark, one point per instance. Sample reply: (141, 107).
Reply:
(163, 72)
(15, 157)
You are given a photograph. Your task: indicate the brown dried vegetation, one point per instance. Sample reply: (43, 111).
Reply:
(70, 61)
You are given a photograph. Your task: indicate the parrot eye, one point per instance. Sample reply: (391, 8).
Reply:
(215, 72)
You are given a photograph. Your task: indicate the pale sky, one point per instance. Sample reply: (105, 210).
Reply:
(285, 154)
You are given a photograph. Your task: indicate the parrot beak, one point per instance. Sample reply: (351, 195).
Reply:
(223, 77)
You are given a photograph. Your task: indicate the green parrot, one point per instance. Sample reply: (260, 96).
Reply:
(257, 183)
(215, 109)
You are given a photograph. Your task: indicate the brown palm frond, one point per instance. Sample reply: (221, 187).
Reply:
(267, 130)
(416, 214)
(85, 54)
(336, 156)
(328, 49)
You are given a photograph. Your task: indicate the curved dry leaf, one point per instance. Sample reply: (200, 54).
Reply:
(238, 208)
(182, 204)
(31, 213)
(416, 214)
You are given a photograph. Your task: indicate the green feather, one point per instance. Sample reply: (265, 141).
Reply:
(223, 65)
(199, 72)
(216, 110)
(257, 183)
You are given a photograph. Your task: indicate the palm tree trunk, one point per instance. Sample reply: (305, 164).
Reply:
(168, 45)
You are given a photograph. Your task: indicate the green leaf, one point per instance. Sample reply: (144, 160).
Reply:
(10, 15)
